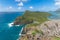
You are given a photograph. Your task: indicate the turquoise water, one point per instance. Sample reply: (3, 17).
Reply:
(55, 16)
(6, 32)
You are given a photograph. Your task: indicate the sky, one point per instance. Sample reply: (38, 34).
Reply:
(33, 5)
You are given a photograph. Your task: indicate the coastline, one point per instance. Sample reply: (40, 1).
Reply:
(20, 33)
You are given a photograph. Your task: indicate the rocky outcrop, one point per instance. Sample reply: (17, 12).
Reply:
(22, 20)
(34, 37)
(30, 37)
(50, 30)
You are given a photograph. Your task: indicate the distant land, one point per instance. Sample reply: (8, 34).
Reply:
(57, 11)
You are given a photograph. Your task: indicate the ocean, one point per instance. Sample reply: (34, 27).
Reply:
(6, 31)
(54, 16)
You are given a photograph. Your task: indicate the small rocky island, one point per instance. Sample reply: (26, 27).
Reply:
(38, 26)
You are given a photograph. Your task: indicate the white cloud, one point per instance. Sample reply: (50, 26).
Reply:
(20, 4)
(21, 0)
(24, 0)
(10, 7)
(17, 0)
(57, 3)
(31, 7)
(19, 8)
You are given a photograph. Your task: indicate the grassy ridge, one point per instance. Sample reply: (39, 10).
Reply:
(35, 17)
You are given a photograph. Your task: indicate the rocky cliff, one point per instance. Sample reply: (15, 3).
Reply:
(49, 30)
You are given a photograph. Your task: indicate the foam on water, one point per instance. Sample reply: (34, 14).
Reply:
(17, 25)
(21, 31)
(10, 24)
(17, 39)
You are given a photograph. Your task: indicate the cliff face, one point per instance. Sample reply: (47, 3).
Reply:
(49, 30)
(22, 20)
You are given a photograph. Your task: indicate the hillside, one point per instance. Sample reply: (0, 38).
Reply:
(49, 30)
(32, 17)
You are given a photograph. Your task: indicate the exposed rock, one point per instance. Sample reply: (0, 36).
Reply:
(28, 30)
(51, 28)
(30, 37)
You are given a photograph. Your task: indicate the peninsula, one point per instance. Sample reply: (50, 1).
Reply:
(32, 20)
(38, 26)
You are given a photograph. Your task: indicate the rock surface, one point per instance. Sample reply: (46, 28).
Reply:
(50, 30)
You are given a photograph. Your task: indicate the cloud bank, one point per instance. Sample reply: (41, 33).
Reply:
(57, 3)
(20, 4)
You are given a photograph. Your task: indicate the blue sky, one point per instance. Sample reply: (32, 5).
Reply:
(34, 5)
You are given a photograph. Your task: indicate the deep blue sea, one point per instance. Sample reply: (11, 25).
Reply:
(7, 32)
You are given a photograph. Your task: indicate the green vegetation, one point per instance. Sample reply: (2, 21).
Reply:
(37, 31)
(37, 16)
(32, 17)
(34, 32)
(56, 38)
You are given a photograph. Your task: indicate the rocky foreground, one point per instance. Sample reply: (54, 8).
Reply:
(49, 30)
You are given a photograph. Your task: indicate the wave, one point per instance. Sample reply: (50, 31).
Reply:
(10, 24)
(21, 31)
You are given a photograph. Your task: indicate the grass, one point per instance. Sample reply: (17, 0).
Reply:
(28, 17)
(36, 16)
(56, 38)
(33, 32)
(37, 31)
